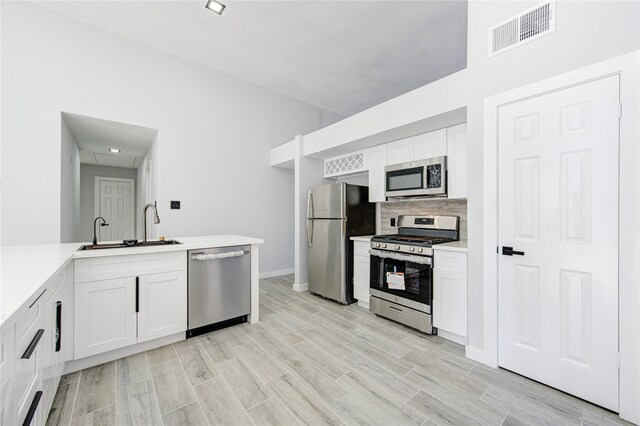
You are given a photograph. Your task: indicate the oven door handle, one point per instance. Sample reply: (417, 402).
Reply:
(423, 260)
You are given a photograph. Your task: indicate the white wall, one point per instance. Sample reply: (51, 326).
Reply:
(88, 173)
(69, 186)
(214, 131)
(145, 191)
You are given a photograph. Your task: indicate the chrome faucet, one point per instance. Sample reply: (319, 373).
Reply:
(95, 233)
(156, 218)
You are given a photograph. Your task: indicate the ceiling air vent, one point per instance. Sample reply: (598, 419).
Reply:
(529, 25)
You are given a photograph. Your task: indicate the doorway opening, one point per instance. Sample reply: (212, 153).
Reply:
(106, 172)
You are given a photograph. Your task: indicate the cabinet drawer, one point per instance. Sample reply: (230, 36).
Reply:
(361, 248)
(110, 267)
(450, 261)
(27, 374)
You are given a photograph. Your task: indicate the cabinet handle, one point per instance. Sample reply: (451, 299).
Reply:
(32, 409)
(58, 326)
(32, 346)
(137, 294)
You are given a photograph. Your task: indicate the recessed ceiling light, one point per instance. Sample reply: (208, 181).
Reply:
(114, 150)
(215, 6)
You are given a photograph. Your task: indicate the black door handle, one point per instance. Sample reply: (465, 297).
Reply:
(509, 251)
(137, 294)
(58, 326)
(32, 409)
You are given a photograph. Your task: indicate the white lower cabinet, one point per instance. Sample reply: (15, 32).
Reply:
(450, 292)
(163, 305)
(105, 316)
(128, 308)
(361, 271)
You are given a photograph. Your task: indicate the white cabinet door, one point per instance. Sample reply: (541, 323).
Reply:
(457, 161)
(375, 159)
(361, 279)
(450, 301)
(400, 151)
(163, 305)
(432, 144)
(105, 316)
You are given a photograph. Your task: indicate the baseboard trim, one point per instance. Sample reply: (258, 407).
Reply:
(478, 355)
(92, 361)
(301, 287)
(277, 273)
(456, 338)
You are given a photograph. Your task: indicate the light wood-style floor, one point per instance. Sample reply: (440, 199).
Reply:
(311, 361)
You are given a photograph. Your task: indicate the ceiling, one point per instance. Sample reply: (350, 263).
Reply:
(95, 136)
(343, 56)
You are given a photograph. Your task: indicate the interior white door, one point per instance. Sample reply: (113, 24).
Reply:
(558, 203)
(115, 205)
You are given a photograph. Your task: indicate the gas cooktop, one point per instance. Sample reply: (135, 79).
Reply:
(421, 240)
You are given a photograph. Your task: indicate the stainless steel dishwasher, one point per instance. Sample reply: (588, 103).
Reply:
(219, 287)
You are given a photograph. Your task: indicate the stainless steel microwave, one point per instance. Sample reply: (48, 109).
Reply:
(421, 178)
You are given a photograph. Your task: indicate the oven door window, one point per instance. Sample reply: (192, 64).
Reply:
(405, 179)
(402, 278)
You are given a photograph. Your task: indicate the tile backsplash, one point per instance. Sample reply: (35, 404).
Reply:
(430, 207)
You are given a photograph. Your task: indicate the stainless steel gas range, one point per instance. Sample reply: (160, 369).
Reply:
(401, 285)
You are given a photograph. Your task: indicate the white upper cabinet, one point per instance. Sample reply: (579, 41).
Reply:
(432, 144)
(457, 161)
(375, 159)
(400, 151)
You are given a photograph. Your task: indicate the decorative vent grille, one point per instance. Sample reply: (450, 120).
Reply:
(344, 165)
(530, 25)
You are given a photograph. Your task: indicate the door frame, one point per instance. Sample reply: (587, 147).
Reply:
(628, 68)
(96, 197)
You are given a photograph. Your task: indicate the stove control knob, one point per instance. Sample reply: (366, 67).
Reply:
(397, 247)
(377, 244)
(384, 245)
(412, 249)
(419, 249)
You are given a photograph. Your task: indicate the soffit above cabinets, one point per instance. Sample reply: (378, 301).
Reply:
(342, 56)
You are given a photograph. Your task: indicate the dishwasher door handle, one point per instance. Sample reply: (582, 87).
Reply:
(215, 256)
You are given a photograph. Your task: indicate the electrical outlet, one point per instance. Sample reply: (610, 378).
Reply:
(175, 205)
(393, 221)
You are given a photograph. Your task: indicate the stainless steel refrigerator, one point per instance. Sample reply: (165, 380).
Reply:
(334, 214)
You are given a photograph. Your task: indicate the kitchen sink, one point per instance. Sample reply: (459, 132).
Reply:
(123, 245)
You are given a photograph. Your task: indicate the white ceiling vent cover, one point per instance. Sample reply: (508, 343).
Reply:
(518, 30)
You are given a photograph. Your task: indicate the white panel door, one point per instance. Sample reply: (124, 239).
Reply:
(400, 151)
(163, 305)
(105, 316)
(115, 204)
(558, 203)
(432, 144)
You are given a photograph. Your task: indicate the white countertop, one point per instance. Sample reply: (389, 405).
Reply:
(366, 238)
(452, 246)
(25, 269)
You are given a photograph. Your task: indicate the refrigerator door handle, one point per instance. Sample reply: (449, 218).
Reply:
(310, 204)
(310, 232)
